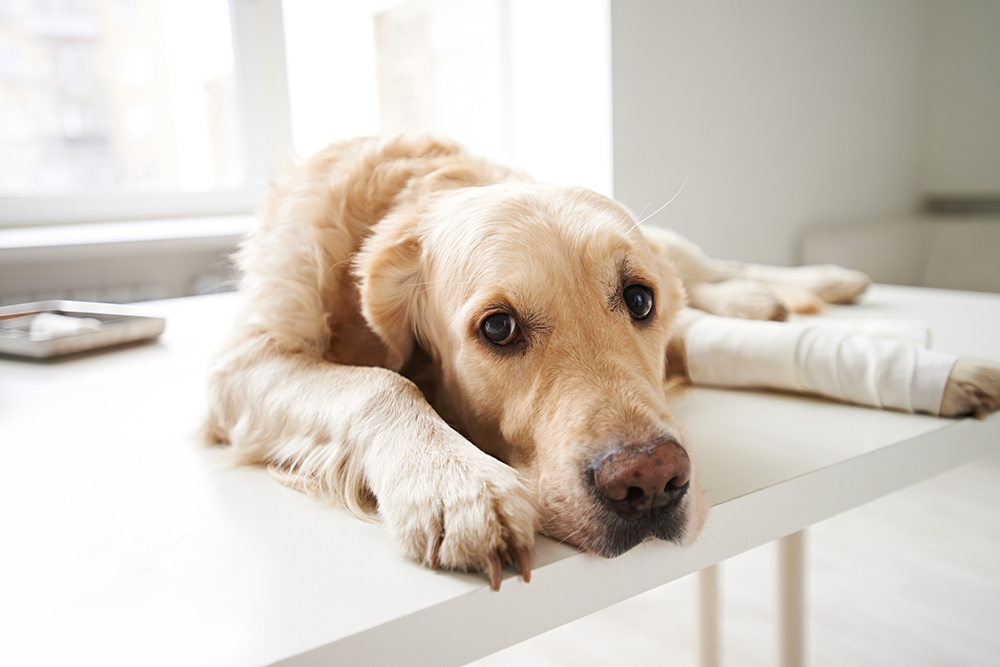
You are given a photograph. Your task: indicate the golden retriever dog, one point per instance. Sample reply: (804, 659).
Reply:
(473, 357)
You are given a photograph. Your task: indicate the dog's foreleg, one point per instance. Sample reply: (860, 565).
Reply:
(833, 363)
(365, 437)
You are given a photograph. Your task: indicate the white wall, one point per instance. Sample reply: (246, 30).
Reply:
(963, 102)
(783, 114)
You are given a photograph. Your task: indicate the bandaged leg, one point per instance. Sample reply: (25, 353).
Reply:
(832, 362)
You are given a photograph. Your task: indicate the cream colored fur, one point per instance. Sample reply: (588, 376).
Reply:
(358, 372)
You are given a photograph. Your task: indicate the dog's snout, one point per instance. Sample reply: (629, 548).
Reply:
(635, 479)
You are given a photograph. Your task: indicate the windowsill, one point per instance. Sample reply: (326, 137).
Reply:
(32, 244)
(120, 262)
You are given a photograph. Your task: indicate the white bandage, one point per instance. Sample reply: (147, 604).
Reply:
(900, 329)
(832, 362)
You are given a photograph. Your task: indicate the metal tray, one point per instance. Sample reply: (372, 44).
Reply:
(116, 324)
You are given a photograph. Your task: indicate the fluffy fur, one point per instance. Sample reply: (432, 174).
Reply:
(360, 371)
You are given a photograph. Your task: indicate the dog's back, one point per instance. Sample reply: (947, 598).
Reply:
(296, 266)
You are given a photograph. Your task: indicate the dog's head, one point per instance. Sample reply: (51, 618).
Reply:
(544, 316)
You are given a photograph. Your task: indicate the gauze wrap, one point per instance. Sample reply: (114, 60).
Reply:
(831, 361)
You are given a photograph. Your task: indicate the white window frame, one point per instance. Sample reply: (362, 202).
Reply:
(262, 85)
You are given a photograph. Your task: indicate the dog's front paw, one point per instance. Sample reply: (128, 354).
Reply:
(973, 388)
(471, 513)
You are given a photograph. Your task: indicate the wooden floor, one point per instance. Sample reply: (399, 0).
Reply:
(912, 579)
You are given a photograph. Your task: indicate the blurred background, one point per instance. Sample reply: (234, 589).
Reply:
(137, 136)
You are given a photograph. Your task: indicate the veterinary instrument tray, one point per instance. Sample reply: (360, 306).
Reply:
(72, 326)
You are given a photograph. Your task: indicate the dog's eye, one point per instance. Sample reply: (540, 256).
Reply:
(638, 300)
(500, 328)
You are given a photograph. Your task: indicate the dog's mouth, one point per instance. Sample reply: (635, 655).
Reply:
(607, 533)
(626, 522)
(629, 494)
(621, 535)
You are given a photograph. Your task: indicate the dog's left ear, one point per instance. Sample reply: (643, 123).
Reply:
(388, 269)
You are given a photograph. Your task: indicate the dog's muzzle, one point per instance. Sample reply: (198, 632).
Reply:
(640, 489)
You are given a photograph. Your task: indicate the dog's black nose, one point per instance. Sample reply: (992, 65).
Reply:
(636, 479)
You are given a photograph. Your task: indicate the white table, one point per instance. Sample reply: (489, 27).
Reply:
(125, 542)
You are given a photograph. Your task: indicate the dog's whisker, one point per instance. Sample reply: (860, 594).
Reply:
(709, 533)
(569, 538)
(725, 525)
(444, 282)
(451, 281)
(644, 219)
(642, 213)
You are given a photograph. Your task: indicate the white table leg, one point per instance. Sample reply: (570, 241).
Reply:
(791, 600)
(708, 617)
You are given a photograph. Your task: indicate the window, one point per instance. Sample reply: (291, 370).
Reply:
(135, 105)
(524, 82)
(112, 108)
(143, 110)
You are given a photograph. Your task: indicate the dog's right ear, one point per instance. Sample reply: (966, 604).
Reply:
(388, 270)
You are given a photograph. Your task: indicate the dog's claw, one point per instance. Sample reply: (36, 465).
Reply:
(434, 551)
(492, 567)
(521, 557)
(524, 563)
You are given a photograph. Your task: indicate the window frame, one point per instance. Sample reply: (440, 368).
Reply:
(265, 133)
